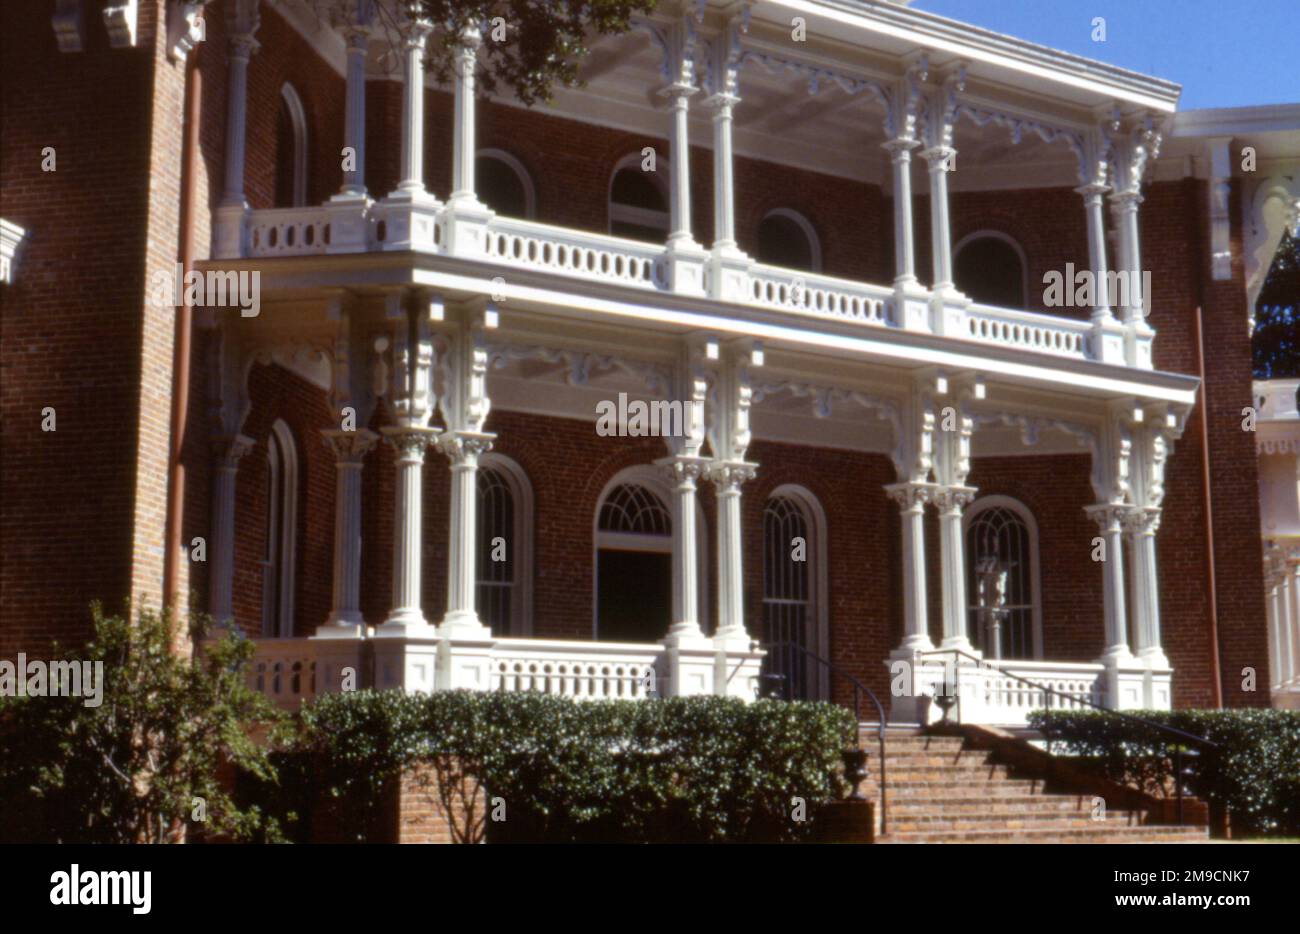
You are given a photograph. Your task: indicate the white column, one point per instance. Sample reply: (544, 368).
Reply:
(415, 31)
(1141, 525)
(409, 442)
(357, 37)
(1290, 620)
(679, 202)
(1125, 207)
(227, 453)
(727, 477)
(1293, 663)
(911, 498)
(684, 470)
(242, 47)
(724, 194)
(1092, 206)
(950, 501)
(463, 152)
(463, 449)
(350, 449)
(900, 155)
(1109, 518)
(939, 159)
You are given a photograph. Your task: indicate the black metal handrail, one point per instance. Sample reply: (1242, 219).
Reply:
(859, 689)
(1076, 699)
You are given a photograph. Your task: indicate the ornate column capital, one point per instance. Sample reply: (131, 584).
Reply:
(350, 447)
(910, 495)
(463, 447)
(684, 468)
(409, 440)
(1108, 515)
(1141, 520)
(728, 476)
(228, 449)
(242, 20)
(414, 28)
(953, 499)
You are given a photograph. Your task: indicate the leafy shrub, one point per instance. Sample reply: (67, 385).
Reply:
(682, 769)
(1254, 774)
(129, 770)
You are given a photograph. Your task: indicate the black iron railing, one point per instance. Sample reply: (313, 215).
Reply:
(1182, 735)
(859, 690)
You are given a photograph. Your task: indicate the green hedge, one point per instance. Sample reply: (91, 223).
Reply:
(681, 769)
(1254, 775)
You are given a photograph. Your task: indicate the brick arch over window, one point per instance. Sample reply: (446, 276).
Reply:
(279, 560)
(291, 150)
(786, 238)
(638, 200)
(991, 268)
(505, 184)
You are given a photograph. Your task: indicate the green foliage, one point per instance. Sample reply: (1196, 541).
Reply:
(130, 769)
(681, 769)
(528, 46)
(1255, 774)
(1275, 342)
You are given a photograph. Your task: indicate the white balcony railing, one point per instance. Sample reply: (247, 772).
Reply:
(284, 670)
(292, 671)
(514, 244)
(575, 669)
(1004, 692)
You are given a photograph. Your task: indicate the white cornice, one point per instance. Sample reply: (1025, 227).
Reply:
(1237, 121)
(1034, 63)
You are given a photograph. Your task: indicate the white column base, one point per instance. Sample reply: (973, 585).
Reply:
(410, 219)
(465, 227)
(685, 262)
(340, 660)
(1139, 338)
(692, 661)
(409, 664)
(948, 312)
(465, 663)
(911, 304)
(738, 665)
(1109, 341)
(729, 275)
(228, 227)
(1124, 680)
(406, 623)
(350, 225)
(911, 689)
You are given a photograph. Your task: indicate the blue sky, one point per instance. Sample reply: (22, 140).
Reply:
(1225, 53)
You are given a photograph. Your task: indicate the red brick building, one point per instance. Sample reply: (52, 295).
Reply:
(886, 446)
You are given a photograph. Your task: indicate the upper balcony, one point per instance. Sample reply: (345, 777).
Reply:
(889, 97)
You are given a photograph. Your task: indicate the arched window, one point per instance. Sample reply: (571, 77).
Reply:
(634, 548)
(281, 532)
(638, 200)
(786, 239)
(504, 185)
(290, 150)
(794, 590)
(1001, 533)
(505, 546)
(990, 267)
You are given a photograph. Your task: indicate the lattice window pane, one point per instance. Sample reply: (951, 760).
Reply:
(1000, 533)
(787, 602)
(496, 551)
(634, 509)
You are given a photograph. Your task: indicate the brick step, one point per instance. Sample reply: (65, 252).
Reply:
(1001, 820)
(974, 804)
(942, 759)
(958, 790)
(1147, 834)
(973, 772)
